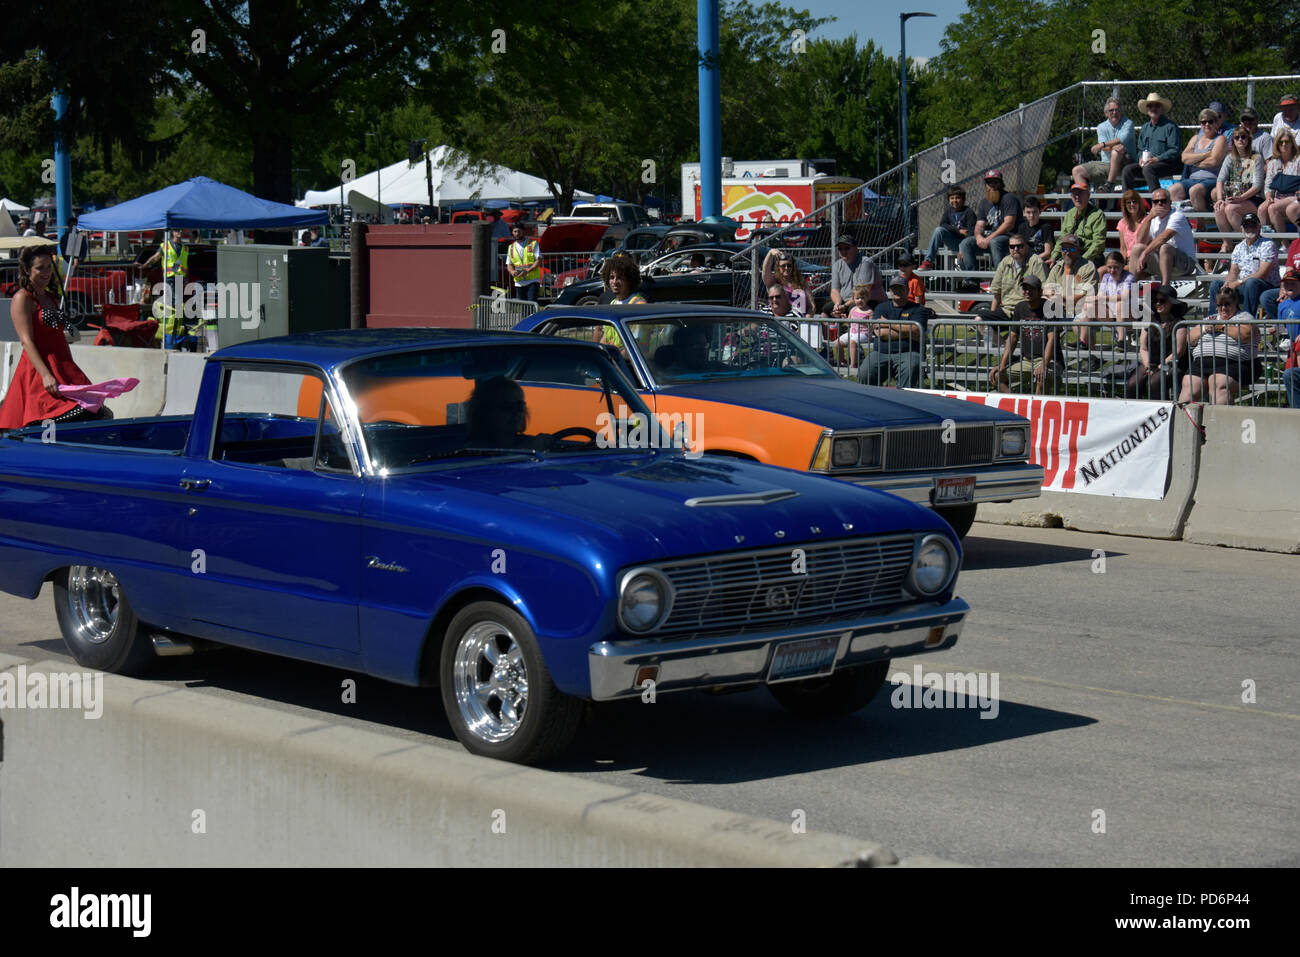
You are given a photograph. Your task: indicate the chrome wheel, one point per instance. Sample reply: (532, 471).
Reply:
(94, 597)
(490, 681)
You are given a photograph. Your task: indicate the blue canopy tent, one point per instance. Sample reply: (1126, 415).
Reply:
(200, 203)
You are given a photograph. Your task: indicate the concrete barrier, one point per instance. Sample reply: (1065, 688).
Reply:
(1146, 518)
(170, 777)
(184, 373)
(1246, 495)
(115, 362)
(12, 352)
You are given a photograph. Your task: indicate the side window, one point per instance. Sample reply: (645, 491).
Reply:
(280, 419)
(602, 333)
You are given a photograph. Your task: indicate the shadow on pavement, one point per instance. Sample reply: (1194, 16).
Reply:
(982, 550)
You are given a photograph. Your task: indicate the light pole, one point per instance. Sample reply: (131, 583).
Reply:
(902, 106)
(379, 186)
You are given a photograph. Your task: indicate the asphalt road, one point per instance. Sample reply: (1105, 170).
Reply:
(1119, 692)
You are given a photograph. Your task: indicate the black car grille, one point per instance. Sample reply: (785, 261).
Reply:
(924, 448)
(737, 592)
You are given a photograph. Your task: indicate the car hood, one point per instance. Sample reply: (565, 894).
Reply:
(633, 507)
(837, 403)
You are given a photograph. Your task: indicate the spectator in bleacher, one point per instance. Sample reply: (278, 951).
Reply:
(956, 224)
(857, 334)
(1040, 235)
(1288, 311)
(1261, 140)
(1253, 270)
(1162, 349)
(1116, 147)
(1225, 354)
(1166, 236)
(897, 349)
(1282, 183)
(850, 269)
(996, 218)
(1131, 210)
(915, 284)
(1287, 116)
(1042, 360)
(1159, 146)
(1008, 280)
(1113, 300)
(780, 265)
(778, 303)
(1202, 160)
(1071, 281)
(1087, 222)
(1241, 184)
(1270, 299)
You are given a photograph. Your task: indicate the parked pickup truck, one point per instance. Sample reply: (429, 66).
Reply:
(495, 514)
(620, 217)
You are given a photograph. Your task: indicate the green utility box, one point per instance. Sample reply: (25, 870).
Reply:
(267, 291)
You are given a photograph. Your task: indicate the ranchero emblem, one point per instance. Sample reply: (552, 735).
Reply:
(374, 562)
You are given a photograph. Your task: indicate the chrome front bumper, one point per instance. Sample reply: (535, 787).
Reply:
(745, 659)
(998, 484)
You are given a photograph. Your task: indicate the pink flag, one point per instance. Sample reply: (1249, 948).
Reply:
(92, 396)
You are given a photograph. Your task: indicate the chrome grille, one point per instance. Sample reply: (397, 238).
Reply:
(924, 448)
(738, 591)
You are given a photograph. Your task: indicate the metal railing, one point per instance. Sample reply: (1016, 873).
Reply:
(500, 314)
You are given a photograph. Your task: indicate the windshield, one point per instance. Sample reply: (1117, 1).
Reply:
(699, 349)
(534, 401)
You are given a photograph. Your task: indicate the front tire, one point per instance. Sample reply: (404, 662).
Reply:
(838, 694)
(499, 697)
(960, 517)
(98, 624)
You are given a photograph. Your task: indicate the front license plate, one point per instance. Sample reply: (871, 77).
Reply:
(954, 491)
(806, 658)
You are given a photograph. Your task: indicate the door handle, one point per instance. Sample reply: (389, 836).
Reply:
(195, 485)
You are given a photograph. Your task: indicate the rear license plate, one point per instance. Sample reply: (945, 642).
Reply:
(954, 491)
(806, 658)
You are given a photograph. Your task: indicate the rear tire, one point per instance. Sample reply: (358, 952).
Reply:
(960, 517)
(838, 694)
(498, 695)
(98, 623)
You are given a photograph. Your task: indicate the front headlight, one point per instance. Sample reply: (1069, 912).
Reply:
(845, 453)
(645, 598)
(1013, 441)
(933, 566)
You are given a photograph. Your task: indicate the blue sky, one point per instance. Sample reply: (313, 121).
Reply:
(879, 22)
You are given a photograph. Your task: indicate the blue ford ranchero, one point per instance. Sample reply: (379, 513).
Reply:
(496, 514)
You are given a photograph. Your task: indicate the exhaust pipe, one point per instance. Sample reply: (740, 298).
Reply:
(167, 647)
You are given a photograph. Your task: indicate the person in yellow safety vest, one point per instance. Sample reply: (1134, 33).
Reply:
(175, 258)
(523, 262)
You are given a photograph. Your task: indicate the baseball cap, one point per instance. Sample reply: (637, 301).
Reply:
(1080, 184)
(1032, 281)
(898, 282)
(993, 174)
(845, 240)
(1291, 275)
(1068, 238)
(906, 260)
(1249, 113)
(1288, 99)
(1217, 107)
(1250, 219)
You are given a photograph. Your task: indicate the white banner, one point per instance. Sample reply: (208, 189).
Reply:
(1094, 446)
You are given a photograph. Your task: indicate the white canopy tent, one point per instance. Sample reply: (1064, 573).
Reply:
(13, 207)
(402, 183)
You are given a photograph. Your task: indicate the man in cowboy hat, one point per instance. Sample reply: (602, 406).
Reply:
(1160, 148)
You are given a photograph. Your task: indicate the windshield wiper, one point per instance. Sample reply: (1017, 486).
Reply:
(476, 451)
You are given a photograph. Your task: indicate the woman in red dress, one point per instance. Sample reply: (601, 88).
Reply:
(46, 364)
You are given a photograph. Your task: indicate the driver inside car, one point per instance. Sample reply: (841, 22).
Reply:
(497, 415)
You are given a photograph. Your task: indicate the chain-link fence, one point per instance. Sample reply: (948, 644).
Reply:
(884, 227)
